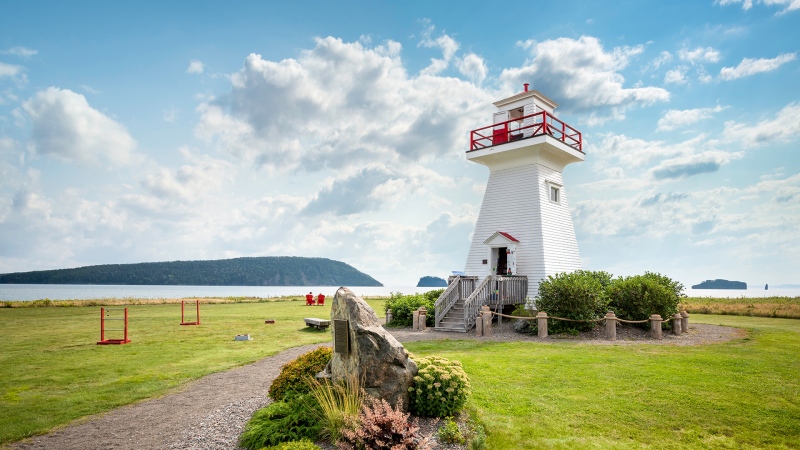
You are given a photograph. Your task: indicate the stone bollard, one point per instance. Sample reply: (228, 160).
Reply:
(684, 321)
(479, 324)
(541, 321)
(676, 324)
(415, 321)
(611, 326)
(388, 315)
(655, 326)
(422, 313)
(487, 320)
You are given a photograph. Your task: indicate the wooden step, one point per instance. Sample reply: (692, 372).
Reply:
(451, 329)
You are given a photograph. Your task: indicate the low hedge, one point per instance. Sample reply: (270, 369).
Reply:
(403, 307)
(578, 295)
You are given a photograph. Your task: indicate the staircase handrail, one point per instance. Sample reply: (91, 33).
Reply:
(448, 298)
(474, 302)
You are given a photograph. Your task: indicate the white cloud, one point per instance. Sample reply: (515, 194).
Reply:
(790, 5)
(582, 75)
(699, 54)
(10, 70)
(675, 76)
(191, 181)
(340, 105)
(675, 118)
(65, 126)
(448, 45)
(170, 115)
(785, 127)
(473, 67)
(750, 66)
(619, 150)
(690, 165)
(22, 52)
(195, 67)
(663, 58)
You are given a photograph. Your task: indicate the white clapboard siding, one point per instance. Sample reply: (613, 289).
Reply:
(517, 202)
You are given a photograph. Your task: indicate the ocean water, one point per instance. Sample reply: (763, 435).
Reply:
(27, 292)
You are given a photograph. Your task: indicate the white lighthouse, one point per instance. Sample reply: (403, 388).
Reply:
(524, 231)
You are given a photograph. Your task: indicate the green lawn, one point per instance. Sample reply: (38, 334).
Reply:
(739, 394)
(52, 371)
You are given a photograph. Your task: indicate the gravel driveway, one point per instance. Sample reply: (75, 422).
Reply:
(211, 413)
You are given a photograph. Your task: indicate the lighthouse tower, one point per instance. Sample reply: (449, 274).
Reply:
(524, 231)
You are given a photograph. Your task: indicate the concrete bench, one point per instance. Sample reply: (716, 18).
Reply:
(319, 324)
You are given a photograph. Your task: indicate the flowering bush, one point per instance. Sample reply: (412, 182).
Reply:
(440, 389)
(382, 427)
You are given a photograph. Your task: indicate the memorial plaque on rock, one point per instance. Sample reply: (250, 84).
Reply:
(341, 336)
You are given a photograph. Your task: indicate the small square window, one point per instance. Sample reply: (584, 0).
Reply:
(554, 194)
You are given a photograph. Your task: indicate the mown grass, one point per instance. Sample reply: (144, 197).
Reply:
(52, 371)
(739, 394)
(785, 307)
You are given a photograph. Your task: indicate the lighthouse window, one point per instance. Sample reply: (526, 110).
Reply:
(554, 194)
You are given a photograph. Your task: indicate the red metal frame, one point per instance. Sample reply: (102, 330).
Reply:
(183, 317)
(543, 124)
(103, 329)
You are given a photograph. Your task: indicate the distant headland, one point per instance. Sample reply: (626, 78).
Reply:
(720, 284)
(255, 271)
(432, 282)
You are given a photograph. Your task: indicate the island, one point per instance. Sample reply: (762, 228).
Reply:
(720, 284)
(252, 271)
(429, 281)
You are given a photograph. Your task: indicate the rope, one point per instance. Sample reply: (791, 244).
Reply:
(572, 320)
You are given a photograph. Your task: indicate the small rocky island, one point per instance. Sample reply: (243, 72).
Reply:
(720, 284)
(432, 282)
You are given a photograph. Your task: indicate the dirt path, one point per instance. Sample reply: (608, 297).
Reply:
(211, 413)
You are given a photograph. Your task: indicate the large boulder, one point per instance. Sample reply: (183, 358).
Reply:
(375, 356)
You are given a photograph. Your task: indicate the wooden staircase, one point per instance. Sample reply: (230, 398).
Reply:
(453, 320)
(458, 305)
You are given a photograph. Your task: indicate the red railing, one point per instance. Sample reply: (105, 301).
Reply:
(538, 124)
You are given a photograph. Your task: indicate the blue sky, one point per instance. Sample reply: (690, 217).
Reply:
(152, 132)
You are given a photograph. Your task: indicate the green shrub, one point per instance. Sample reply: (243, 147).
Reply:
(282, 421)
(440, 389)
(382, 427)
(523, 325)
(675, 286)
(294, 445)
(639, 296)
(579, 295)
(476, 436)
(449, 433)
(295, 374)
(403, 307)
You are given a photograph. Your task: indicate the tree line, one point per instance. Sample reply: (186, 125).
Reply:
(253, 271)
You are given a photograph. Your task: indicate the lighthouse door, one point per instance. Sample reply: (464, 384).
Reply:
(502, 261)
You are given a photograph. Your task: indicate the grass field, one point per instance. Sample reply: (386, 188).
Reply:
(739, 394)
(52, 371)
(785, 307)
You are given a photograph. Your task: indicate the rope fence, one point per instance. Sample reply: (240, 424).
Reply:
(680, 322)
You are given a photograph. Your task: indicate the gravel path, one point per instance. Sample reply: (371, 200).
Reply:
(211, 413)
